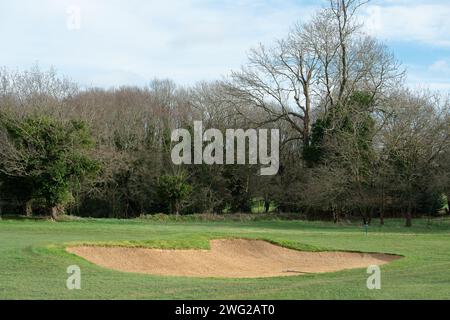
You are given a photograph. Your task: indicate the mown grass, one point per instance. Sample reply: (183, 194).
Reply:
(33, 261)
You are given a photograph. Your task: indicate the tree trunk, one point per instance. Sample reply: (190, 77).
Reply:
(266, 206)
(306, 119)
(409, 215)
(335, 215)
(382, 217)
(28, 209)
(370, 215)
(382, 206)
(56, 211)
(176, 208)
(448, 204)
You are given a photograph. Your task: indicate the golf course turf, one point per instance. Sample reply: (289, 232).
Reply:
(33, 260)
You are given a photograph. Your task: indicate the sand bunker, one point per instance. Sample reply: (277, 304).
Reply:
(228, 259)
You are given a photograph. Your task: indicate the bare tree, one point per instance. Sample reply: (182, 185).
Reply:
(320, 64)
(414, 139)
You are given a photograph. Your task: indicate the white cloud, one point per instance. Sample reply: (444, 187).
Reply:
(441, 66)
(435, 76)
(186, 40)
(133, 41)
(416, 24)
(410, 21)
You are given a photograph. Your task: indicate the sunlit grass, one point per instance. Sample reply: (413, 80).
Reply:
(33, 260)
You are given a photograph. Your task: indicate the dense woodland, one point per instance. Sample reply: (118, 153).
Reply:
(356, 142)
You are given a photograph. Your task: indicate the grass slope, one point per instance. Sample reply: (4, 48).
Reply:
(33, 262)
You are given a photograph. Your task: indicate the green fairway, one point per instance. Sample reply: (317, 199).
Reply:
(33, 262)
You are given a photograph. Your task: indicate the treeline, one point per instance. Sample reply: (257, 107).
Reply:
(355, 141)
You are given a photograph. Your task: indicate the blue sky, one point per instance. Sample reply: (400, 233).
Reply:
(130, 42)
